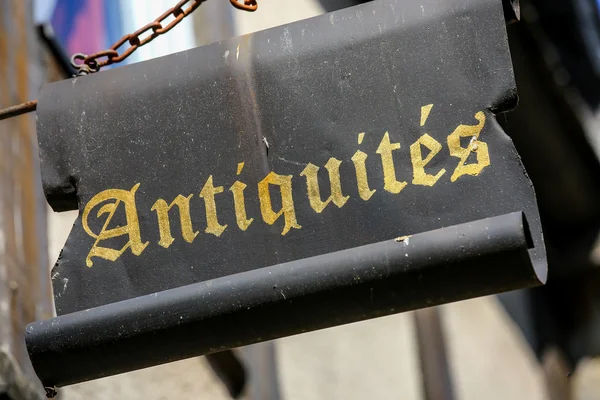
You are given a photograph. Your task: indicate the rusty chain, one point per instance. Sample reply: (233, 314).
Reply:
(94, 62)
(86, 64)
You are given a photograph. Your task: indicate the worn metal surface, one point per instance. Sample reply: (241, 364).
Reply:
(335, 86)
(395, 100)
(478, 258)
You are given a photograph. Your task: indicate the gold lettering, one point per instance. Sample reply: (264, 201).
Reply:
(208, 194)
(132, 229)
(287, 202)
(164, 225)
(362, 181)
(385, 149)
(480, 148)
(312, 185)
(239, 202)
(420, 177)
(425, 110)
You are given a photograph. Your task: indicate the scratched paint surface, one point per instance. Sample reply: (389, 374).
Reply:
(358, 126)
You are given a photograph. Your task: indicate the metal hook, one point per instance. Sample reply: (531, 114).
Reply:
(249, 5)
(83, 68)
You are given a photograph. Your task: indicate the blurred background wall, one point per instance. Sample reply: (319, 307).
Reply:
(24, 279)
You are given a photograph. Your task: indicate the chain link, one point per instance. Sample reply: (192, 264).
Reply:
(87, 64)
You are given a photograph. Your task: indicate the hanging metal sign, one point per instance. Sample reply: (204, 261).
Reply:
(288, 149)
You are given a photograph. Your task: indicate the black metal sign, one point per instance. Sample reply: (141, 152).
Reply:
(365, 125)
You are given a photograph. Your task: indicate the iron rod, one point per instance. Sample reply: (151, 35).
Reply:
(17, 110)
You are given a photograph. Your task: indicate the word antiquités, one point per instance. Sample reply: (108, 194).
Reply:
(109, 200)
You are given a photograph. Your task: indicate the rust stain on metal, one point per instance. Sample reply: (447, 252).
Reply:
(17, 110)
